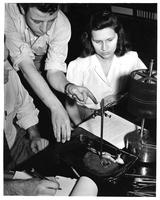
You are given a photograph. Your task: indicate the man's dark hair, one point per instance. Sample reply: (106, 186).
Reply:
(101, 20)
(43, 7)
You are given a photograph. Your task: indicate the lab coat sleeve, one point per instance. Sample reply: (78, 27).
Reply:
(58, 45)
(27, 114)
(138, 63)
(75, 73)
(15, 41)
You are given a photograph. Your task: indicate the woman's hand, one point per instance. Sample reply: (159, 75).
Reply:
(114, 99)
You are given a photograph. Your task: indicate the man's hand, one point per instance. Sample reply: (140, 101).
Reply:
(46, 187)
(30, 187)
(61, 124)
(38, 144)
(80, 93)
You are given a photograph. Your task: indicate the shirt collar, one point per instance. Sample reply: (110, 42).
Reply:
(97, 67)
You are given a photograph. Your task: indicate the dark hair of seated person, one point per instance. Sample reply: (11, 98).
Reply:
(99, 21)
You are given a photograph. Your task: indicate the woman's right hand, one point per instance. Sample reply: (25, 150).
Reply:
(113, 99)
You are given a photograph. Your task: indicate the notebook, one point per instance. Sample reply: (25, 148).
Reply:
(114, 130)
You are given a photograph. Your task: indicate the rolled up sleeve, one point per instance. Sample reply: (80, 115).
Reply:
(140, 64)
(27, 114)
(15, 37)
(58, 45)
(19, 51)
(28, 119)
(76, 71)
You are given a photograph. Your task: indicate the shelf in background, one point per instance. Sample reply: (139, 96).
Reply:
(148, 11)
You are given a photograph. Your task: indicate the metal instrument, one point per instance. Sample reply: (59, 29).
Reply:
(142, 103)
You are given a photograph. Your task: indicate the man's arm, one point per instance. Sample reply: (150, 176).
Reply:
(55, 62)
(30, 187)
(60, 119)
(79, 93)
(57, 80)
(38, 84)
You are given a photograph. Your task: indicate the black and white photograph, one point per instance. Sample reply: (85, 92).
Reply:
(79, 90)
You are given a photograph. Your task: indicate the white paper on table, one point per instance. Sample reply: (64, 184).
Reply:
(66, 184)
(114, 130)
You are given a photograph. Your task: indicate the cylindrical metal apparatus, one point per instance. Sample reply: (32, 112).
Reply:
(142, 93)
(142, 103)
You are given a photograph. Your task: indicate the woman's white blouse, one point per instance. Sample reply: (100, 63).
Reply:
(89, 73)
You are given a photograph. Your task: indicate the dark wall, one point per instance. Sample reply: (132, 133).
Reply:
(143, 37)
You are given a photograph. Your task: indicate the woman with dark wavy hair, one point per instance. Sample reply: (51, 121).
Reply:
(100, 21)
(104, 64)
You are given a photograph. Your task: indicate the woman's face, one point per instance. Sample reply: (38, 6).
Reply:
(38, 21)
(104, 42)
